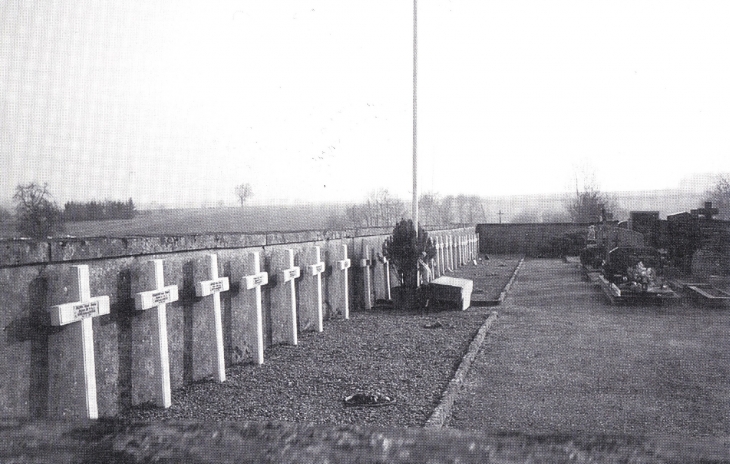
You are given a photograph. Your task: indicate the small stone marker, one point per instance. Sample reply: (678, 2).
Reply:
(83, 310)
(316, 270)
(254, 282)
(159, 298)
(213, 287)
(344, 265)
(365, 264)
(290, 274)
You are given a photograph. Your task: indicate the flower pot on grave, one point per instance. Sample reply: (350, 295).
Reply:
(405, 298)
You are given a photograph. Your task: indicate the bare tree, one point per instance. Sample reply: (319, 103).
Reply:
(589, 202)
(243, 192)
(720, 196)
(429, 209)
(36, 214)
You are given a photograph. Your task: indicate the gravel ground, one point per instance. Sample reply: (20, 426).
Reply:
(395, 353)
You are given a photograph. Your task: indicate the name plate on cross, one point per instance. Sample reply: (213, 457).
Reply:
(292, 273)
(316, 269)
(256, 280)
(209, 287)
(73, 312)
(152, 298)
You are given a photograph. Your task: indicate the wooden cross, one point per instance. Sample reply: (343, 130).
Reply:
(440, 254)
(344, 264)
(255, 281)
(386, 269)
(293, 272)
(214, 287)
(365, 264)
(83, 310)
(316, 270)
(159, 298)
(500, 216)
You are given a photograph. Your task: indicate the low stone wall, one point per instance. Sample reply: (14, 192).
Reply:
(539, 239)
(41, 370)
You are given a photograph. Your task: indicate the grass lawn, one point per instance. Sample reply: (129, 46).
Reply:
(561, 359)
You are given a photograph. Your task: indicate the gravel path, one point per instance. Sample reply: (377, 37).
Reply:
(407, 356)
(561, 360)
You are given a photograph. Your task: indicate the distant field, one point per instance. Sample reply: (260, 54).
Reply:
(194, 221)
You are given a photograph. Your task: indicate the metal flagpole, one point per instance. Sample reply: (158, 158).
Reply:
(415, 114)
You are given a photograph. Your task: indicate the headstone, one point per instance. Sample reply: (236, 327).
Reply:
(254, 282)
(343, 265)
(158, 299)
(440, 251)
(82, 311)
(367, 290)
(284, 305)
(214, 287)
(316, 271)
(451, 292)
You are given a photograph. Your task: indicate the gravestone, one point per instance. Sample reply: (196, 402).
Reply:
(158, 299)
(310, 308)
(284, 299)
(82, 311)
(367, 290)
(343, 265)
(451, 293)
(213, 287)
(381, 277)
(254, 282)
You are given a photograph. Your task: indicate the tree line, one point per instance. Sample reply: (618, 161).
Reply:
(99, 211)
(37, 215)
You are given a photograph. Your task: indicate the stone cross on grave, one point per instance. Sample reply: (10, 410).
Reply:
(344, 264)
(83, 310)
(214, 287)
(158, 299)
(254, 282)
(316, 270)
(708, 211)
(366, 263)
(289, 275)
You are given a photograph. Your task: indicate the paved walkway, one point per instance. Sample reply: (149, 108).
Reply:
(560, 359)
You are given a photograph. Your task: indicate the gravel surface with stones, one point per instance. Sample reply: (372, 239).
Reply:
(407, 356)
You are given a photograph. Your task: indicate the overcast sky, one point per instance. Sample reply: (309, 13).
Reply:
(176, 102)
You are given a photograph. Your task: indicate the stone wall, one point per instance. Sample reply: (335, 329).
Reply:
(40, 367)
(534, 240)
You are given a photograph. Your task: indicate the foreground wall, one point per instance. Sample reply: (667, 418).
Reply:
(41, 370)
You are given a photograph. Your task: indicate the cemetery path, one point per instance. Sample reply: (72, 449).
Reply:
(560, 359)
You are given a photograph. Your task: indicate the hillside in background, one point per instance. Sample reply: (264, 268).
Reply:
(257, 218)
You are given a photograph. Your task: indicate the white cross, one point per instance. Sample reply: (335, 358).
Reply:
(159, 298)
(344, 264)
(289, 275)
(83, 309)
(365, 264)
(386, 269)
(316, 270)
(213, 287)
(255, 281)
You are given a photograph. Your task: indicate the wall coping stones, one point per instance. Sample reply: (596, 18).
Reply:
(19, 252)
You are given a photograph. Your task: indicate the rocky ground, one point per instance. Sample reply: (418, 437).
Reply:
(407, 356)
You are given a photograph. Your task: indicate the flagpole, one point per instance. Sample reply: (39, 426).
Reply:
(414, 204)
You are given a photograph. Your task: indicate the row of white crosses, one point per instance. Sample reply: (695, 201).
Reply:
(454, 251)
(86, 307)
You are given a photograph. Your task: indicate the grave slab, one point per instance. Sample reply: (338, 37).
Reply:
(451, 292)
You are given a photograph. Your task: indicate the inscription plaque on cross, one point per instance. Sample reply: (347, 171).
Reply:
(158, 299)
(214, 287)
(254, 282)
(83, 310)
(365, 263)
(289, 275)
(316, 270)
(343, 265)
